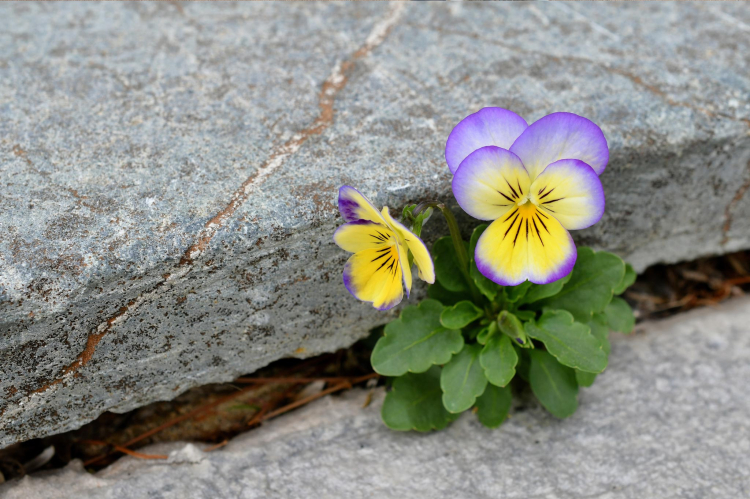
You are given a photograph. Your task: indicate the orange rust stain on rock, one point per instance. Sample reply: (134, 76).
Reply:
(326, 99)
(88, 352)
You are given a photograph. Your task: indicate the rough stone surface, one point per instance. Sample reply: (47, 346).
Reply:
(168, 171)
(668, 419)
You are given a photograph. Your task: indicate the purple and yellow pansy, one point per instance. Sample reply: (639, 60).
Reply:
(535, 182)
(379, 269)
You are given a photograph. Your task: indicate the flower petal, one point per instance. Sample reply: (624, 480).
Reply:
(491, 126)
(570, 190)
(561, 136)
(418, 249)
(489, 182)
(403, 260)
(525, 244)
(361, 235)
(375, 276)
(353, 206)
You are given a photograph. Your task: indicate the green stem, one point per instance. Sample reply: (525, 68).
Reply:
(458, 244)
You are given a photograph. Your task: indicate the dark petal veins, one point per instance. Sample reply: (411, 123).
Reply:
(508, 217)
(515, 194)
(537, 232)
(541, 222)
(517, 231)
(506, 197)
(550, 192)
(511, 226)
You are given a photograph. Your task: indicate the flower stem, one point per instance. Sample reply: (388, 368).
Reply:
(458, 244)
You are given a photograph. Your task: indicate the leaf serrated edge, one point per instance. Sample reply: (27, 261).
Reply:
(475, 358)
(573, 321)
(565, 290)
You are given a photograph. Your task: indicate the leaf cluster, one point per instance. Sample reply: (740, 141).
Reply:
(451, 353)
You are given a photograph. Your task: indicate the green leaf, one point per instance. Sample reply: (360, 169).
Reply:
(620, 316)
(525, 315)
(420, 220)
(553, 384)
(408, 212)
(462, 379)
(585, 379)
(437, 292)
(538, 292)
(600, 330)
(499, 359)
(591, 284)
(511, 326)
(515, 293)
(485, 333)
(493, 406)
(487, 287)
(627, 280)
(415, 403)
(415, 341)
(447, 269)
(570, 342)
(460, 315)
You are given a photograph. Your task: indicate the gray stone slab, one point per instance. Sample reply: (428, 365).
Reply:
(667, 419)
(168, 171)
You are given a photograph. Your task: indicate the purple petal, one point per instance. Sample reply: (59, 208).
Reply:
(353, 206)
(491, 126)
(561, 136)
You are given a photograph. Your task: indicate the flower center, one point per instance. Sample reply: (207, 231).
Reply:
(525, 198)
(527, 209)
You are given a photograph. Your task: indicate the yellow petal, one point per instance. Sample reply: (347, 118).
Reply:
(418, 249)
(374, 275)
(362, 235)
(403, 260)
(525, 244)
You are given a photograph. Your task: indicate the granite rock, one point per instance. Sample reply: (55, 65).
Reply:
(667, 419)
(168, 171)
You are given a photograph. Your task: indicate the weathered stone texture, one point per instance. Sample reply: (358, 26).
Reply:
(668, 419)
(168, 172)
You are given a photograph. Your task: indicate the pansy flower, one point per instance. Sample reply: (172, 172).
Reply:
(535, 182)
(379, 269)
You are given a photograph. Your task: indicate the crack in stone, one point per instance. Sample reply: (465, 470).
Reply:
(335, 82)
(728, 211)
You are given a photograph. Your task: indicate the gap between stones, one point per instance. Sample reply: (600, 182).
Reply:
(728, 217)
(335, 82)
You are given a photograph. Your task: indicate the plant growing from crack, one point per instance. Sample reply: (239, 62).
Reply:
(518, 300)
